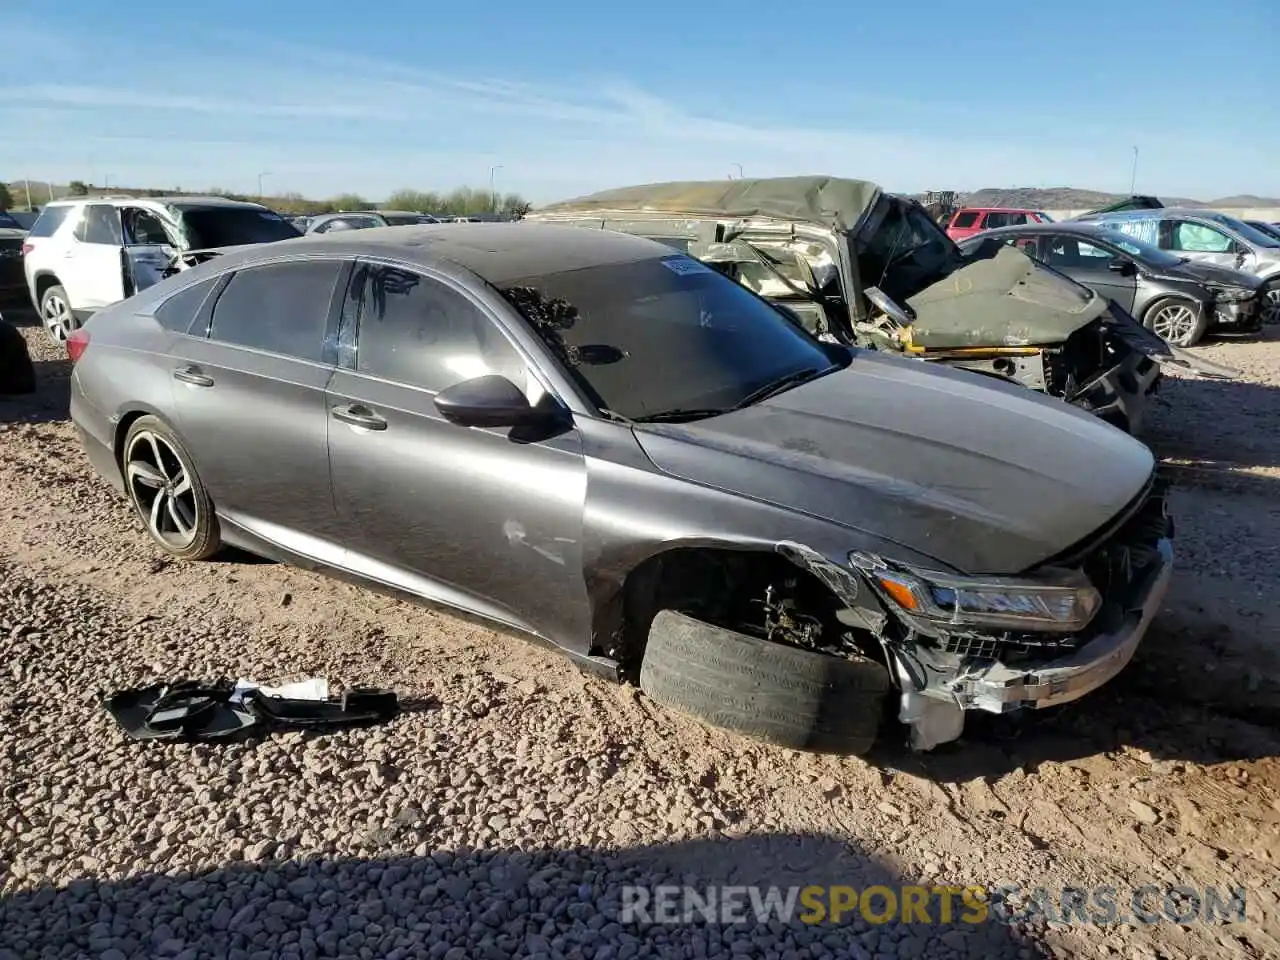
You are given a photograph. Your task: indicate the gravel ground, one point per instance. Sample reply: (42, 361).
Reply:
(504, 815)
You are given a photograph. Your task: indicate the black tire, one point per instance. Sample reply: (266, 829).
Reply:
(54, 301)
(1270, 303)
(17, 372)
(193, 504)
(768, 691)
(1193, 334)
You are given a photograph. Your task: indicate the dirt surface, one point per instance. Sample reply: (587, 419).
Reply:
(503, 815)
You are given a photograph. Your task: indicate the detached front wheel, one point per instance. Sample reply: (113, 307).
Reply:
(769, 691)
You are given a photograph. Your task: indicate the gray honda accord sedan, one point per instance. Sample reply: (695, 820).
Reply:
(611, 447)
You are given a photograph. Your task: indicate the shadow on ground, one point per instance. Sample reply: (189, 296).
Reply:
(463, 904)
(50, 403)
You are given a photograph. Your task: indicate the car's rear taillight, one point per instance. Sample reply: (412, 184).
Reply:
(27, 248)
(77, 343)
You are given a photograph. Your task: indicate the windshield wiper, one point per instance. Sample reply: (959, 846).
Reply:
(680, 415)
(777, 386)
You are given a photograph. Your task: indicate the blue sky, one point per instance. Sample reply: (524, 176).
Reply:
(570, 97)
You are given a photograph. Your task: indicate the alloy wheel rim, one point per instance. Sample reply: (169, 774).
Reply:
(160, 485)
(58, 318)
(1174, 323)
(1271, 307)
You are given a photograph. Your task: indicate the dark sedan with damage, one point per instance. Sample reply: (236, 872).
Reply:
(871, 269)
(607, 445)
(1176, 298)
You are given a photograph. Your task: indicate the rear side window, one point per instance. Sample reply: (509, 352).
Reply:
(50, 219)
(417, 331)
(995, 220)
(178, 312)
(282, 308)
(967, 219)
(100, 223)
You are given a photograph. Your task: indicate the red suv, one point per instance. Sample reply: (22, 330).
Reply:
(970, 220)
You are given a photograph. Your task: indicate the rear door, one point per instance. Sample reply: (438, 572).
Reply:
(486, 519)
(249, 392)
(92, 267)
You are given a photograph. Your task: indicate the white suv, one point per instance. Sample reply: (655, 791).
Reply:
(83, 255)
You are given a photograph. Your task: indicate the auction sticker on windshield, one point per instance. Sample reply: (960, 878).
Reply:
(685, 266)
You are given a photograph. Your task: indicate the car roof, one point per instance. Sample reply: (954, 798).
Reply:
(180, 202)
(1157, 213)
(497, 252)
(1000, 209)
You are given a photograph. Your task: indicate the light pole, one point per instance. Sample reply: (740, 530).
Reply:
(739, 166)
(493, 194)
(1133, 178)
(265, 173)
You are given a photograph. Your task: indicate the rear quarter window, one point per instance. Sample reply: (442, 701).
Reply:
(50, 219)
(179, 311)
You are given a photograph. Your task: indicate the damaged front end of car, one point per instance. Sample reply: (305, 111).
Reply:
(957, 643)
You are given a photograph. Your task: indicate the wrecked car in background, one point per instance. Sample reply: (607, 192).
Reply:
(606, 444)
(864, 267)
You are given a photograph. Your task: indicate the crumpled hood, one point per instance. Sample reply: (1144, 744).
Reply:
(1007, 299)
(982, 476)
(1212, 273)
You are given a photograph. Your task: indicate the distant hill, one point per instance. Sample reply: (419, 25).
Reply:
(1073, 198)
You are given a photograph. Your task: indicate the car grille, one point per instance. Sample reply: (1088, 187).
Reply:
(1117, 566)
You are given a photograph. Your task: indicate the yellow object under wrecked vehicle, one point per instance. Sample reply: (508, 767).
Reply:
(863, 267)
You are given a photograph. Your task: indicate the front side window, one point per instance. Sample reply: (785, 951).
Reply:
(666, 337)
(281, 308)
(1016, 219)
(144, 228)
(1066, 252)
(100, 223)
(413, 330)
(1198, 238)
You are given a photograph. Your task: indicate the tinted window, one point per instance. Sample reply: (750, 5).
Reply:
(49, 221)
(405, 221)
(282, 308)
(8, 221)
(180, 310)
(965, 219)
(994, 220)
(100, 223)
(348, 223)
(1198, 238)
(207, 227)
(419, 332)
(1017, 219)
(653, 337)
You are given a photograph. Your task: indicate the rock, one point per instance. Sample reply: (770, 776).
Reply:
(1144, 812)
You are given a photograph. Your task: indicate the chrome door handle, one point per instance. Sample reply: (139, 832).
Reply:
(358, 415)
(192, 375)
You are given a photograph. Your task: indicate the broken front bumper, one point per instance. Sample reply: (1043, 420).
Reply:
(998, 689)
(1119, 395)
(1242, 317)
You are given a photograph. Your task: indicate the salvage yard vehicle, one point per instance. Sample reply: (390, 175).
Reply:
(967, 221)
(13, 285)
(86, 254)
(366, 219)
(874, 270)
(1205, 236)
(608, 445)
(1177, 299)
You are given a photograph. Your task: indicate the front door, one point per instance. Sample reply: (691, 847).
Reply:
(1206, 244)
(149, 248)
(249, 395)
(1096, 267)
(92, 271)
(485, 519)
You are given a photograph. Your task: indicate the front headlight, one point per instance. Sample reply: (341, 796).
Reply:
(1232, 294)
(1058, 601)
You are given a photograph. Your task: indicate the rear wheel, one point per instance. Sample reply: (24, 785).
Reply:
(55, 312)
(1177, 321)
(769, 691)
(1271, 302)
(165, 489)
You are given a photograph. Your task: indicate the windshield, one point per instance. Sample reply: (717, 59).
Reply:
(206, 227)
(650, 338)
(906, 253)
(1145, 252)
(1256, 237)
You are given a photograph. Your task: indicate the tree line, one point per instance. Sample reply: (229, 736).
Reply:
(458, 202)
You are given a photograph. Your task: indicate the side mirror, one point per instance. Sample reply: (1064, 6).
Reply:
(1126, 268)
(488, 401)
